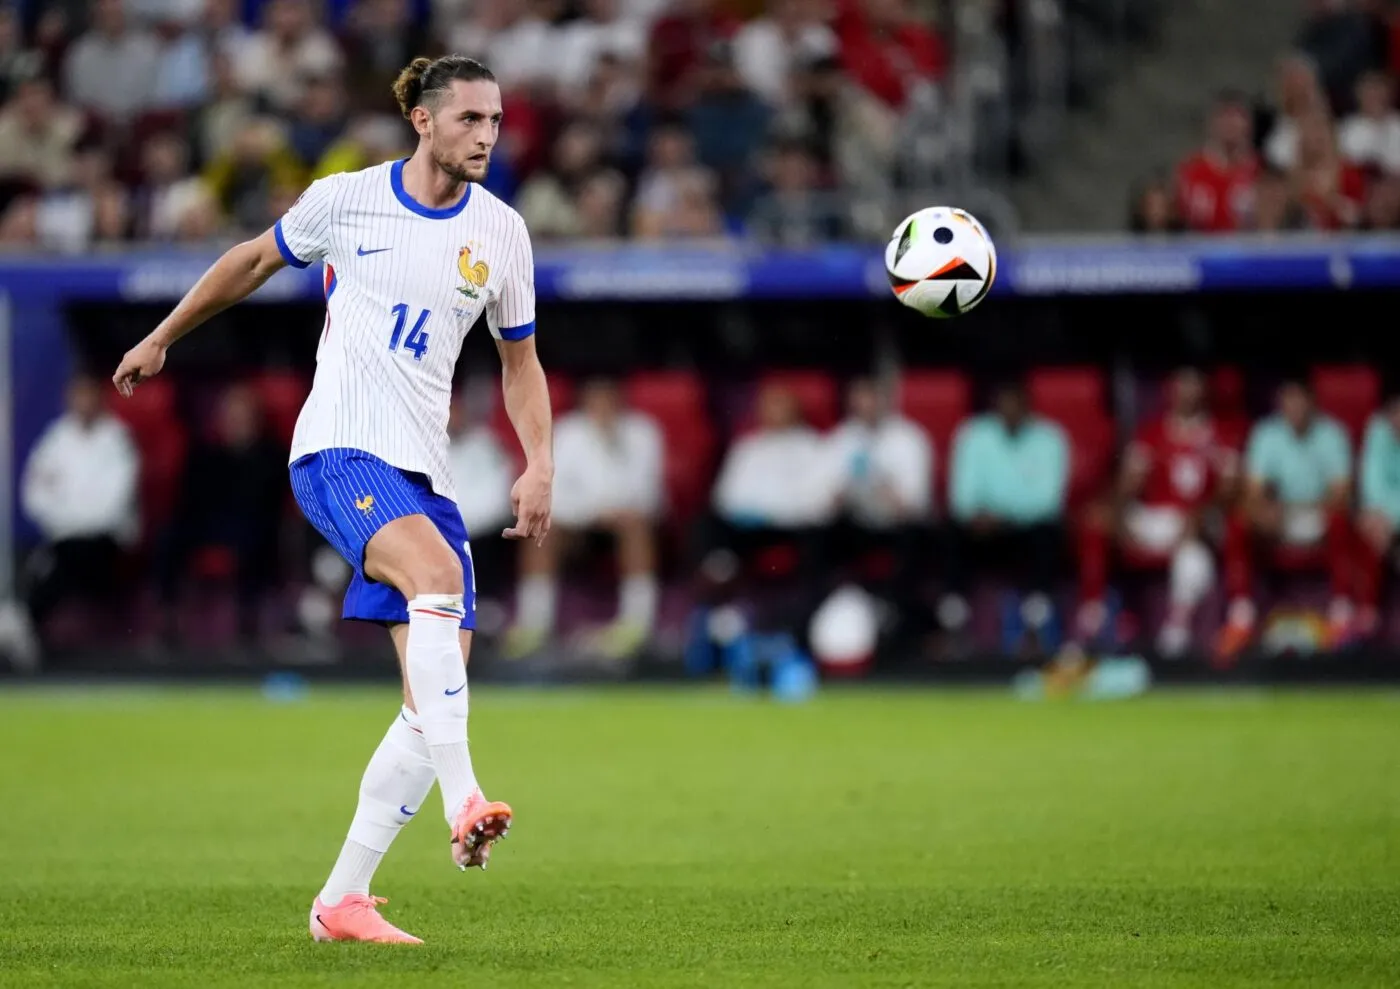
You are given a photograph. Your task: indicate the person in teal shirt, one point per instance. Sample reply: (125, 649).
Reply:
(1008, 477)
(1379, 515)
(1297, 494)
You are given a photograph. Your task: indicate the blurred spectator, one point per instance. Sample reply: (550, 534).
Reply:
(1276, 209)
(675, 196)
(1344, 41)
(19, 224)
(231, 502)
(795, 212)
(601, 199)
(728, 123)
(882, 479)
(1215, 186)
(1379, 507)
(111, 70)
(1153, 210)
(608, 473)
(381, 37)
(229, 109)
(319, 119)
(1370, 138)
(604, 29)
(1329, 190)
(244, 179)
(549, 199)
(768, 50)
(367, 141)
(1297, 494)
(200, 219)
(15, 61)
(1177, 472)
(886, 49)
(1382, 211)
(224, 33)
(516, 38)
(167, 191)
(677, 47)
(79, 489)
(52, 39)
(482, 473)
(1006, 495)
(182, 66)
(38, 135)
(289, 49)
(69, 215)
(1300, 96)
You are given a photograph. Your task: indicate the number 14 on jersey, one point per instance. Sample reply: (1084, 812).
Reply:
(417, 342)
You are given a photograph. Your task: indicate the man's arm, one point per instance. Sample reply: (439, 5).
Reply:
(527, 404)
(231, 279)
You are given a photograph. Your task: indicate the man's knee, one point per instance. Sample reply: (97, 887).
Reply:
(412, 556)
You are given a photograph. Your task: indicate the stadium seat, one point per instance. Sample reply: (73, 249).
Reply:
(1229, 405)
(282, 394)
(152, 415)
(677, 400)
(1351, 393)
(817, 394)
(1074, 397)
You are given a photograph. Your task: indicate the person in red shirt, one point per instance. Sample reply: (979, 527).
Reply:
(1330, 191)
(677, 47)
(886, 50)
(1176, 471)
(1215, 186)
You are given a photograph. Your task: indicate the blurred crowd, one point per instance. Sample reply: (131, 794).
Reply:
(892, 500)
(186, 120)
(1322, 152)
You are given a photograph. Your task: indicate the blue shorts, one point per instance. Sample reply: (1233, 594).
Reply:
(349, 495)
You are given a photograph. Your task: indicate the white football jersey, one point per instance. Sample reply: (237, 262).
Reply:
(404, 283)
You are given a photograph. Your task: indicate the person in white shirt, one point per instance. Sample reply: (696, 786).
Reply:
(768, 49)
(414, 253)
(482, 473)
(882, 482)
(608, 479)
(1370, 137)
(79, 490)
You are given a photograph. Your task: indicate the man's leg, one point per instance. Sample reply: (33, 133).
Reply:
(960, 555)
(1374, 544)
(1237, 553)
(537, 593)
(637, 590)
(1041, 547)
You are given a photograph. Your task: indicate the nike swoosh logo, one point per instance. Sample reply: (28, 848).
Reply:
(378, 250)
(405, 811)
(463, 687)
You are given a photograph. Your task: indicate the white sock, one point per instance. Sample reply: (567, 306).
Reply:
(637, 600)
(437, 676)
(538, 599)
(1192, 575)
(397, 780)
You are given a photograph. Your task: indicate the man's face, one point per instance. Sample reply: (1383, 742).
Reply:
(1010, 404)
(864, 401)
(1232, 127)
(601, 402)
(463, 129)
(1295, 405)
(1188, 393)
(84, 399)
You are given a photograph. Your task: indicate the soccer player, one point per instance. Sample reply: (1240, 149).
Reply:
(414, 251)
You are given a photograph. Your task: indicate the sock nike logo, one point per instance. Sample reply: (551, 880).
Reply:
(360, 250)
(405, 811)
(463, 687)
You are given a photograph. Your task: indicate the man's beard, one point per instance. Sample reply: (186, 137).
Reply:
(458, 173)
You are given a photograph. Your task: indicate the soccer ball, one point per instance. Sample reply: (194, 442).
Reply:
(941, 262)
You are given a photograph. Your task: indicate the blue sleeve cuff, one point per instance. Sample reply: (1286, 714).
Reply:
(517, 332)
(286, 251)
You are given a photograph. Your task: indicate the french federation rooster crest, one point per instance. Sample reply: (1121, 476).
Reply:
(474, 275)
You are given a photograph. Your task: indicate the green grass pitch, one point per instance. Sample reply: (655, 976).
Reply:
(167, 837)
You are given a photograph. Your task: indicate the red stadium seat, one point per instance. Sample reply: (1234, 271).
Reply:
(1350, 393)
(938, 401)
(816, 391)
(160, 435)
(282, 394)
(677, 400)
(1074, 397)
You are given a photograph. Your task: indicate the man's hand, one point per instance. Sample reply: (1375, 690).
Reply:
(530, 501)
(141, 362)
